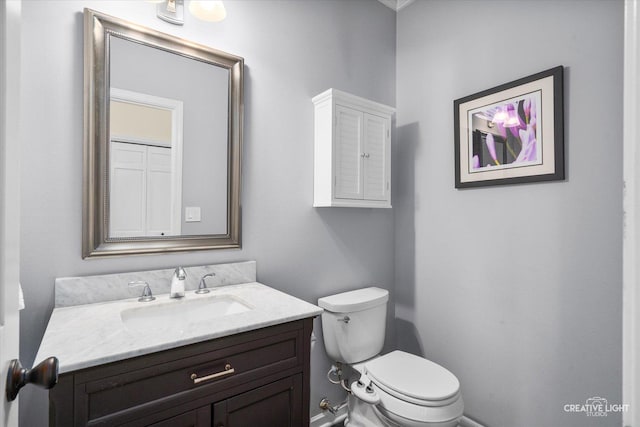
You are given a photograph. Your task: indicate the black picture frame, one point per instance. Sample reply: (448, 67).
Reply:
(512, 133)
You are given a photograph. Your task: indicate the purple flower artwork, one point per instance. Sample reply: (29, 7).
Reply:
(512, 133)
(505, 135)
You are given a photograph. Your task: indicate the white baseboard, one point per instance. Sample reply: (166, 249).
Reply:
(468, 422)
(327, 419)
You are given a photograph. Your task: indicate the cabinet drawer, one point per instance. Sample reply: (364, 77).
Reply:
(168, 381)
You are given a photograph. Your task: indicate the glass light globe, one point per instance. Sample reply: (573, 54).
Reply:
(208, 10)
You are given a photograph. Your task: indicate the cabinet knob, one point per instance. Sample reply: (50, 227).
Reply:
(366, 156)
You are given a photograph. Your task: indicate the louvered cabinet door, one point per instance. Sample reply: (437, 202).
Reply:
(352, 151)
(349, 149)
(377, 155)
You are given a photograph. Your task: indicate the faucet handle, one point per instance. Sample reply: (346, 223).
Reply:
(202, 287)
(146, 292)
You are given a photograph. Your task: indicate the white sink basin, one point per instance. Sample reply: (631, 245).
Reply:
(183, 314)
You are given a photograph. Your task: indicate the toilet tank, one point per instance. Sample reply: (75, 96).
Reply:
(354, 323)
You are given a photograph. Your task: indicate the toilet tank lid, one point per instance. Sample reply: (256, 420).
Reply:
(358, 300)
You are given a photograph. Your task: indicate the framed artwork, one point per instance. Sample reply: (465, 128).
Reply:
(512, 133)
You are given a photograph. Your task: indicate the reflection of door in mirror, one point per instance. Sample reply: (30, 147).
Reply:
(145, 165)
(189, 197)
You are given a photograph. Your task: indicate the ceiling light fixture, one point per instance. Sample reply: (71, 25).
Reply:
(172, 11)
(208, 10)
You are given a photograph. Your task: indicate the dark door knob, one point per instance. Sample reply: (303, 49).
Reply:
(45, 375)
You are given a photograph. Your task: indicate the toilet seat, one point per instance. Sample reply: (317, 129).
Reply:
(407, 375)
(420, 402)
(414, 388)
(395, 408)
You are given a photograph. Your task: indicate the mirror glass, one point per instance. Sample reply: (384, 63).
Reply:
(162, 141)
(168, 145)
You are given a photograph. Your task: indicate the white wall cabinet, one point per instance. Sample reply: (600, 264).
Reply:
(352, 155)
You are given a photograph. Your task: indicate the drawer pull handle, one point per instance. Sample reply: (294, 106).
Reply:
(228, 370)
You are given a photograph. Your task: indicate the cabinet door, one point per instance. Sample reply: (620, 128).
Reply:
(159, 192)
(349, 153)
(278, 404)
(377, 157)
(128, 190)
(198, 418)
(141, 195)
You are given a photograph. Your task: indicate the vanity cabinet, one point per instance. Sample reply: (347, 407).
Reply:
(352, 151)
(270, 405)
(254, 378)
(198, 418)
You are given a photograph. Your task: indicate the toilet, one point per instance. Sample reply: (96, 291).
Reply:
(395, 389)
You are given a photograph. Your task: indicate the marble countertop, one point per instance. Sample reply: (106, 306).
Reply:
(88, 335)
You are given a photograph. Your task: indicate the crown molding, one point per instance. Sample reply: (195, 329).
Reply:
(396, 4)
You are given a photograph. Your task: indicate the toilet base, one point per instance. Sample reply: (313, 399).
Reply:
(397, 421)
(361, 414)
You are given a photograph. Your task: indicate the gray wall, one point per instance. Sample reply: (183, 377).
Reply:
(516, 289)
(293, 51)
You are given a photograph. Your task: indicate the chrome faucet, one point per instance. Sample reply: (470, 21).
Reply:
(146, 292)
(177, 283)
(202, 287)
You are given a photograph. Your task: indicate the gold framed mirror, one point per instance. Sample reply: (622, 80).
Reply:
(163, 123)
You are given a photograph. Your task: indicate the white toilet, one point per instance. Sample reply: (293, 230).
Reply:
(396, 389)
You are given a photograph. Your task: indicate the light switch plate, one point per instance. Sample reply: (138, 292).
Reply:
(192, 214)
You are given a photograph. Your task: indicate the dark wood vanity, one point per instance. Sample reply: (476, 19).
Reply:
(255, 378)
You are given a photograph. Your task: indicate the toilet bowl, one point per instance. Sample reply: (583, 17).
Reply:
(413, 391)
(395, 389)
